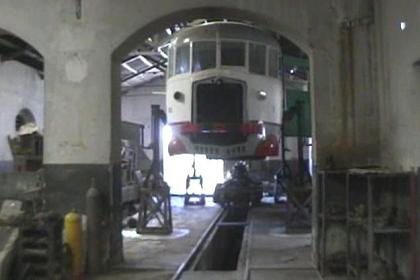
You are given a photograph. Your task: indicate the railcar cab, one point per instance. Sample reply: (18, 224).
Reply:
(224, 95)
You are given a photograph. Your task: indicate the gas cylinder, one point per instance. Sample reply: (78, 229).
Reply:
(74, 238)
(95, 237)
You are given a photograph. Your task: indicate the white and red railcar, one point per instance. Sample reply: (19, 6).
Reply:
(224, 93)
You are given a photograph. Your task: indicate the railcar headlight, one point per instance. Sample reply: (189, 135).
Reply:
(179, 96)
(261, 95)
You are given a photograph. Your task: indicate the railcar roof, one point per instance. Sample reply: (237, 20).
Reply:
(225, 30)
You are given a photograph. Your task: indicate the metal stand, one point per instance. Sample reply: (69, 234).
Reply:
(330, 213)
(295, 187)
(189, 196)
(155, 216)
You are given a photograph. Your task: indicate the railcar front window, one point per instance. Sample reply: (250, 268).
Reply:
(204, 56)
(171, 62)
(257, 59)
(182, 59)
(273, 67)
(232, 53)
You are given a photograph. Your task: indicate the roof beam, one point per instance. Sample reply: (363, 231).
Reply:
(161, 65)
(155, 65)
(129, 68)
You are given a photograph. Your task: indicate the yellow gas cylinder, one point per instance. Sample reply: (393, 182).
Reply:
(74, 239)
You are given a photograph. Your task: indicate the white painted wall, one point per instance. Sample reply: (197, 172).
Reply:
(137, 109)
(20, 87)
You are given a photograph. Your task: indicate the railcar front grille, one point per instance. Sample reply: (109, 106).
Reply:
(219, 102)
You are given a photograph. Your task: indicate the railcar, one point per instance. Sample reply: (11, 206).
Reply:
(224, 93)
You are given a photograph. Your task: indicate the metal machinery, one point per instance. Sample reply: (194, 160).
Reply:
(296, 185)
(191, 197)
(373, 212)
(240, 190)
(155, 215)
(224, 95)
(40, 248)
(31, 237)
(294, 178)
(131, 145)
(27, 151)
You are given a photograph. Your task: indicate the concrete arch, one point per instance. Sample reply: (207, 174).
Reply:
(27, 38)
(260, 19)
(31, 22)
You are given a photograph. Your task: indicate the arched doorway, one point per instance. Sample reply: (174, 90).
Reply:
(24, 117)
(148, 31)
(21, 104)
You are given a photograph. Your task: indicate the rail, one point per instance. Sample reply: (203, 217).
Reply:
(199, 246)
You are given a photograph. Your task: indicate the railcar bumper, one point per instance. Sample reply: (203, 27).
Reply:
(257, 140)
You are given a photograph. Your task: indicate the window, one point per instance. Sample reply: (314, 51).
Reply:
(182, 59)
(24, 117)
(257, 59)
(273, 63)
(233, 53)
(171, 62)
(204, 55)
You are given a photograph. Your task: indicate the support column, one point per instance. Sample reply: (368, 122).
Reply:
(78, 137)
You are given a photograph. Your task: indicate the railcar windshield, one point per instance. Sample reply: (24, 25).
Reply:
(182, 64)
(204, 55)
(232, 53)
(171, 62)
(257, 58)
(207, 54)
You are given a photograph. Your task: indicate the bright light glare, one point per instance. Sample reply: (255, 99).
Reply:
(403, 25)
(262, 94)
(310, 156)
(167, 133)
(129, 234)
(177, 168)
(263, 134)
(168, 31)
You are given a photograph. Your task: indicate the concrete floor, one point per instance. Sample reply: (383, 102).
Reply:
(267, 251)
(273, 254)
(153, 257)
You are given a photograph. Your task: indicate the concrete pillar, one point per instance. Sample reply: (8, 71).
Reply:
(78, 133)
(345, 94)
